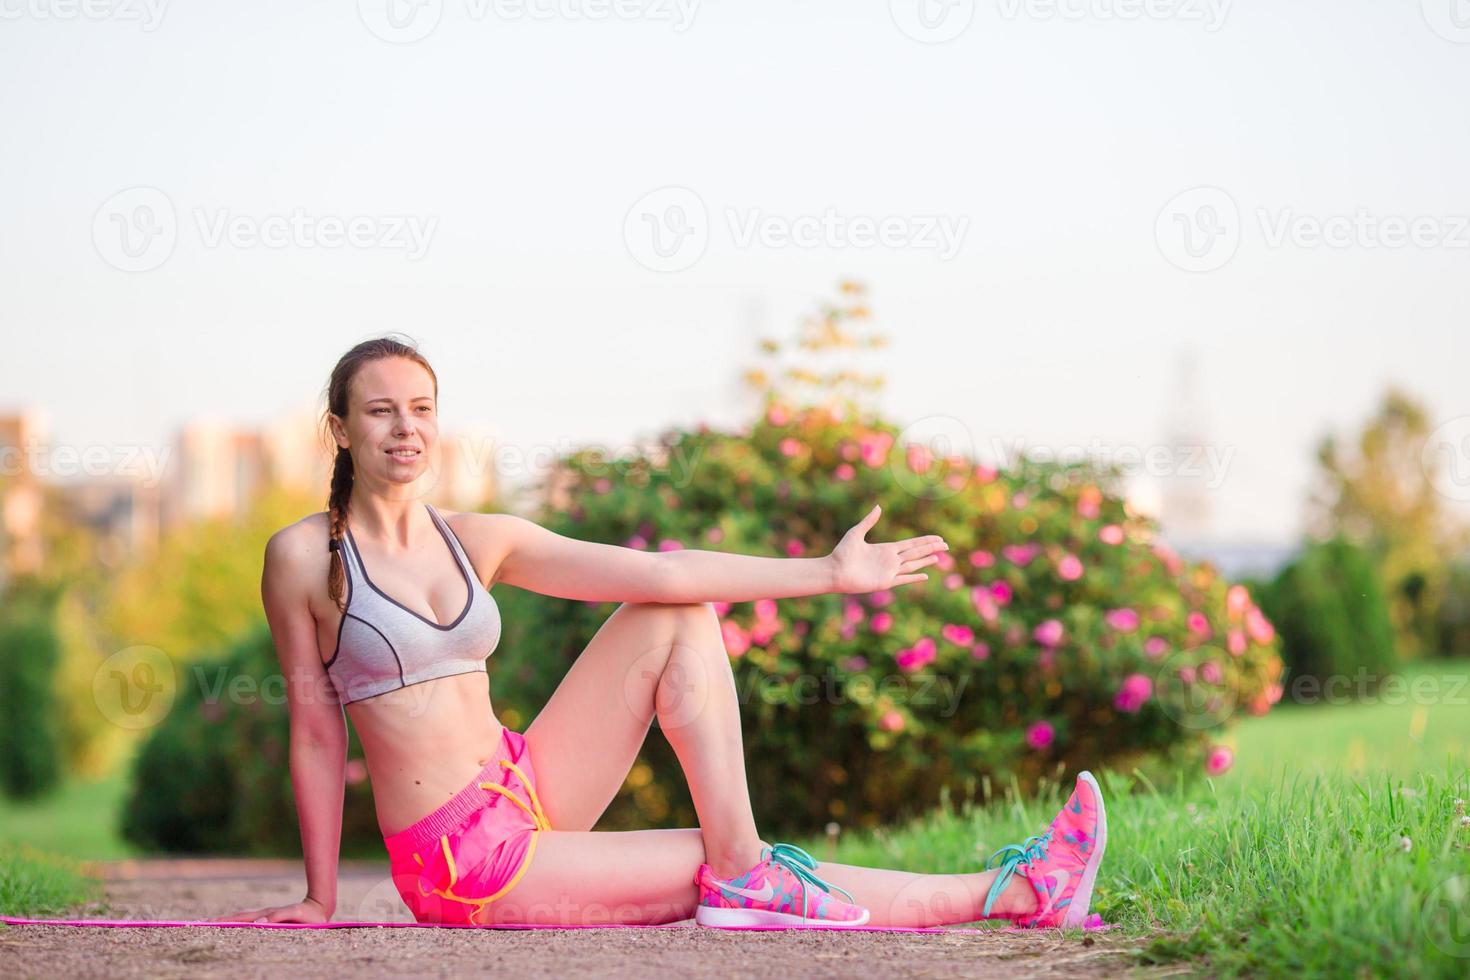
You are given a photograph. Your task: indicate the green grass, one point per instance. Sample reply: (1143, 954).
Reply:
(78, 820)
(35, 885)
(1290, 863)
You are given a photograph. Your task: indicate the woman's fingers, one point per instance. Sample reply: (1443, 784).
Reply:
(924, 548)
(914, 564)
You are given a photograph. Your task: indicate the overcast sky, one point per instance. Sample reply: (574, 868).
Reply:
(583, 218)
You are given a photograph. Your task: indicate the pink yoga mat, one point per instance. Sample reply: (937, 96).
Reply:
(1094, 923)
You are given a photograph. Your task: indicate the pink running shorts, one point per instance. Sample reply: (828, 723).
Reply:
(472, 850)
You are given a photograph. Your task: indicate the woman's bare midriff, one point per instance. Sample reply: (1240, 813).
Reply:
(424, 743)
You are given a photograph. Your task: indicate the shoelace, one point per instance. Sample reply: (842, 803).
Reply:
(1032, 851)
(803, 865)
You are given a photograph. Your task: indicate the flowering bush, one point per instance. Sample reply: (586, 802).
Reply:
(1054, 633)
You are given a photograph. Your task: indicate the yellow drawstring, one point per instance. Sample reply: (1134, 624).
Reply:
(542, 823)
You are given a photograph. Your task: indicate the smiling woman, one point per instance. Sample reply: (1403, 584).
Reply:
(484, 824)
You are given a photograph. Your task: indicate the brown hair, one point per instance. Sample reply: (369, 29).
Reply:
(340, 497)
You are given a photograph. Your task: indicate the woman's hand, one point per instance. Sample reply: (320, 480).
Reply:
(306, 910)
(861, 566)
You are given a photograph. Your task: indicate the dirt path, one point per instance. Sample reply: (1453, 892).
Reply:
(195, 889)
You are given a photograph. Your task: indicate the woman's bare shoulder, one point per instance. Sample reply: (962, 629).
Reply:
(301, 542)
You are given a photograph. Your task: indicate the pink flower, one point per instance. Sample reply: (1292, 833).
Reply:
(1258, 626)
(765, 608)
(715, 535)
(1069, 568)
(891, 721)
(957, 634)
(881, 622)
(926, 647)
(356, 771)
(1235, 642)
(981, 559)
(1186, 674)
(763, 630)
(1049, 633)
(1019, 501)
(1110, 534)
(953, 581)
(1136, 689)
(919, 458)
(1021, 554)
(1210, 673)
(855, 663)
(984, 603)
(1219, 760)
(845, 471)
(670, 544)
(980, 651)
(721, 607)
(777, 415)
(1237, 601)
(737, 641)
(1089, 503)
(848, 449)
(1039, 736)
(909, 659)
(1123, 620)
(794, 548)
(636, 541)
(791, 446)
(1197, 623)
(602, 485)
(848, 631)
(874, 448)
(882, 597)
(852, 611)
(1155, 647)
(943, 561)
(984, 474)
(1001, 592)
(1169, 558)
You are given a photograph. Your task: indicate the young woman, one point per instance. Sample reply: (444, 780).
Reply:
(381, 605)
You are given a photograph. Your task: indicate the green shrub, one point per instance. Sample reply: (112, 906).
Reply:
(214, 775)
(1054, 634)
(30, 753)
(1453, 624)
(1332, 613)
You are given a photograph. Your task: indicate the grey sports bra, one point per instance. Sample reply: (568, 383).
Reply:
(382, 645)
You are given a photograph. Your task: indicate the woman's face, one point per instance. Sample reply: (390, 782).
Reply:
(392, 424)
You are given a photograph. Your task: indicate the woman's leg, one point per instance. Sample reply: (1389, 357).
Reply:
(647, 876)
(649, 659)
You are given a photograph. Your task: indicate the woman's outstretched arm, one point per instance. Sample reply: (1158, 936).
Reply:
(532, 557)
(318, 753)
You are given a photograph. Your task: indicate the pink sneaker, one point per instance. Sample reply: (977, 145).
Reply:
(780, 891)
(1061, 864)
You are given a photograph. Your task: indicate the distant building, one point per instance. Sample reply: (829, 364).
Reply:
(22, 496)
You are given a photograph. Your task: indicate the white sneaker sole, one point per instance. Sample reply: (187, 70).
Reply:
(707, 915)
(1082, 897)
